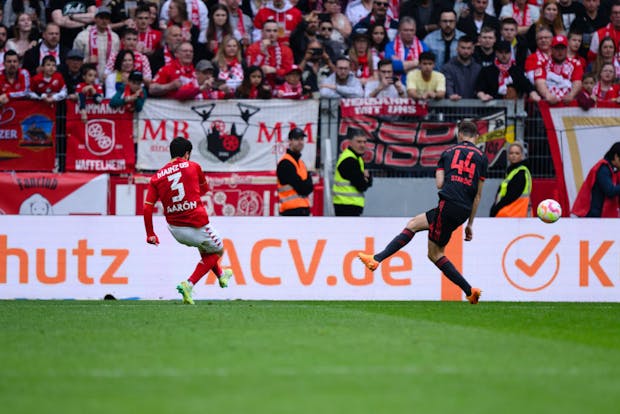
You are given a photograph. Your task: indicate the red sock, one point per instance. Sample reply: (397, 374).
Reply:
(207, 262)
(217, 269)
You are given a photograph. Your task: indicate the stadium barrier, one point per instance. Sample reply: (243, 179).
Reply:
(78, 257)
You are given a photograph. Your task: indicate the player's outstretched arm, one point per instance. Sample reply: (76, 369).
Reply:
(151, 237)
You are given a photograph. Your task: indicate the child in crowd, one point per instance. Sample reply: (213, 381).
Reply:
(48, 85)
(584, 98)
(606, 90)
(90, 88)
(292, 88)
(132, 95)
(254, 85)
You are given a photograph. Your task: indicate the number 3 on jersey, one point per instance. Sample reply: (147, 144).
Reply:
(178, 186)
(463, 166)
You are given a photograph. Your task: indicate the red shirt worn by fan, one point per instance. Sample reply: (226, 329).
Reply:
(179, 185)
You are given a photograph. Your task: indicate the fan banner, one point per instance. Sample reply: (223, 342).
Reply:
(101, 143)
(27, 136)
(44, 194)
(409, 143)
(578, 139)
(232, 194)
(227, 135)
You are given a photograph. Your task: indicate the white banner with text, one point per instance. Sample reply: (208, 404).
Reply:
(288, 258)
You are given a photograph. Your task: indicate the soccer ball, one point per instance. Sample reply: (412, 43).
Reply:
(549, 211)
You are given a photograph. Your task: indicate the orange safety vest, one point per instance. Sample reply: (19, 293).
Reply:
(289, 199)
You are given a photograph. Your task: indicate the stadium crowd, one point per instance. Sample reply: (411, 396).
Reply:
(555, 50)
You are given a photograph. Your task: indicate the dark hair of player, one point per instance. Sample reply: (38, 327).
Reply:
(179, 146)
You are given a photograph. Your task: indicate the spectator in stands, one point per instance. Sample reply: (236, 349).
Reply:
(541, 57)
(356, 10)
(585, 98)
(274, 58)
(518, 44)
(219, 27)
(179, 72)
(379, 14)
(594, 19)
(240, 22)
(72, 72)
(599, 195)
(14, 82)
(476, 19)
(254, 85)
(426, 14)
(89, 88)
(575, 38)
(504, 79)
(72, 16)
(129, 41)
(606, 89)
(442, 42)
(178, 15)
(570, 11)
(316, 66)
(205, 85)
(154, 14)
(405, 49)
(3, 49)
(98, 42)
(484, 52)
(425, 82)
(132, 95)
(25, 35)
(149, 39)
(342, 83)
(333, 47)
(361, 58)
(35, 8)
(49, 45)
(122, 15)
(378, 40)
(251, 7)
(387, 85)
(342, 25)
(522, 12)
(283, 13)
(196, 12)
(164, 55)
(462, 71)
(304, 33)
(292, 87)
(48, 85)
(118, 77)
(549, 19)
(228, 62)
(560, 80)
(607, 53)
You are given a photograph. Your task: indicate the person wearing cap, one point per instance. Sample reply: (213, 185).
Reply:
(49, 45)
(71, 71)
(72, 16)
(560, 80)
(293, 88)
(361, 57)
(351, 179)
(294, 181)
(98, 42)
(205, 86)
(132, 94)
(405, 49)
(504, 79)
(342, 83)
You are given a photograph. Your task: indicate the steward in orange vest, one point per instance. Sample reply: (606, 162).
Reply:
(294, 181)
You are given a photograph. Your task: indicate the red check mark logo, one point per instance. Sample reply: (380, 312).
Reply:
(531, 269)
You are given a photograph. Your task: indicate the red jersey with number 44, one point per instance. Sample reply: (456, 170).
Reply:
(179, 185)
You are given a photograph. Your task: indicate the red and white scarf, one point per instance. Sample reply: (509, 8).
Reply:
(363, 68)
(195, 15)
(400, 50)
(167, 55)
(94, 49)
(146, 39)
(276, 55)
(240, 26)
(503, 75)
(232, 71)
(291, 91)
(523, 17)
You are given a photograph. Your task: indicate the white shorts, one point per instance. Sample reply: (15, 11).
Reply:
(205, 238)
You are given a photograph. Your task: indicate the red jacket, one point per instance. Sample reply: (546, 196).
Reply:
(581, 207)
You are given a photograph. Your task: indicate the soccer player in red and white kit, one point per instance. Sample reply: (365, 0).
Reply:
(179, 185)
(460, 174)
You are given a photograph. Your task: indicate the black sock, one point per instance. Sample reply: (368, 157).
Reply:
(395, 245)
(448, 269)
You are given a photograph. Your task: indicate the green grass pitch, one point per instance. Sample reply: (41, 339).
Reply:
(308, 357)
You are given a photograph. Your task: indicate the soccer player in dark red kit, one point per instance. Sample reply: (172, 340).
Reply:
(460, 174)
(179, 185)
